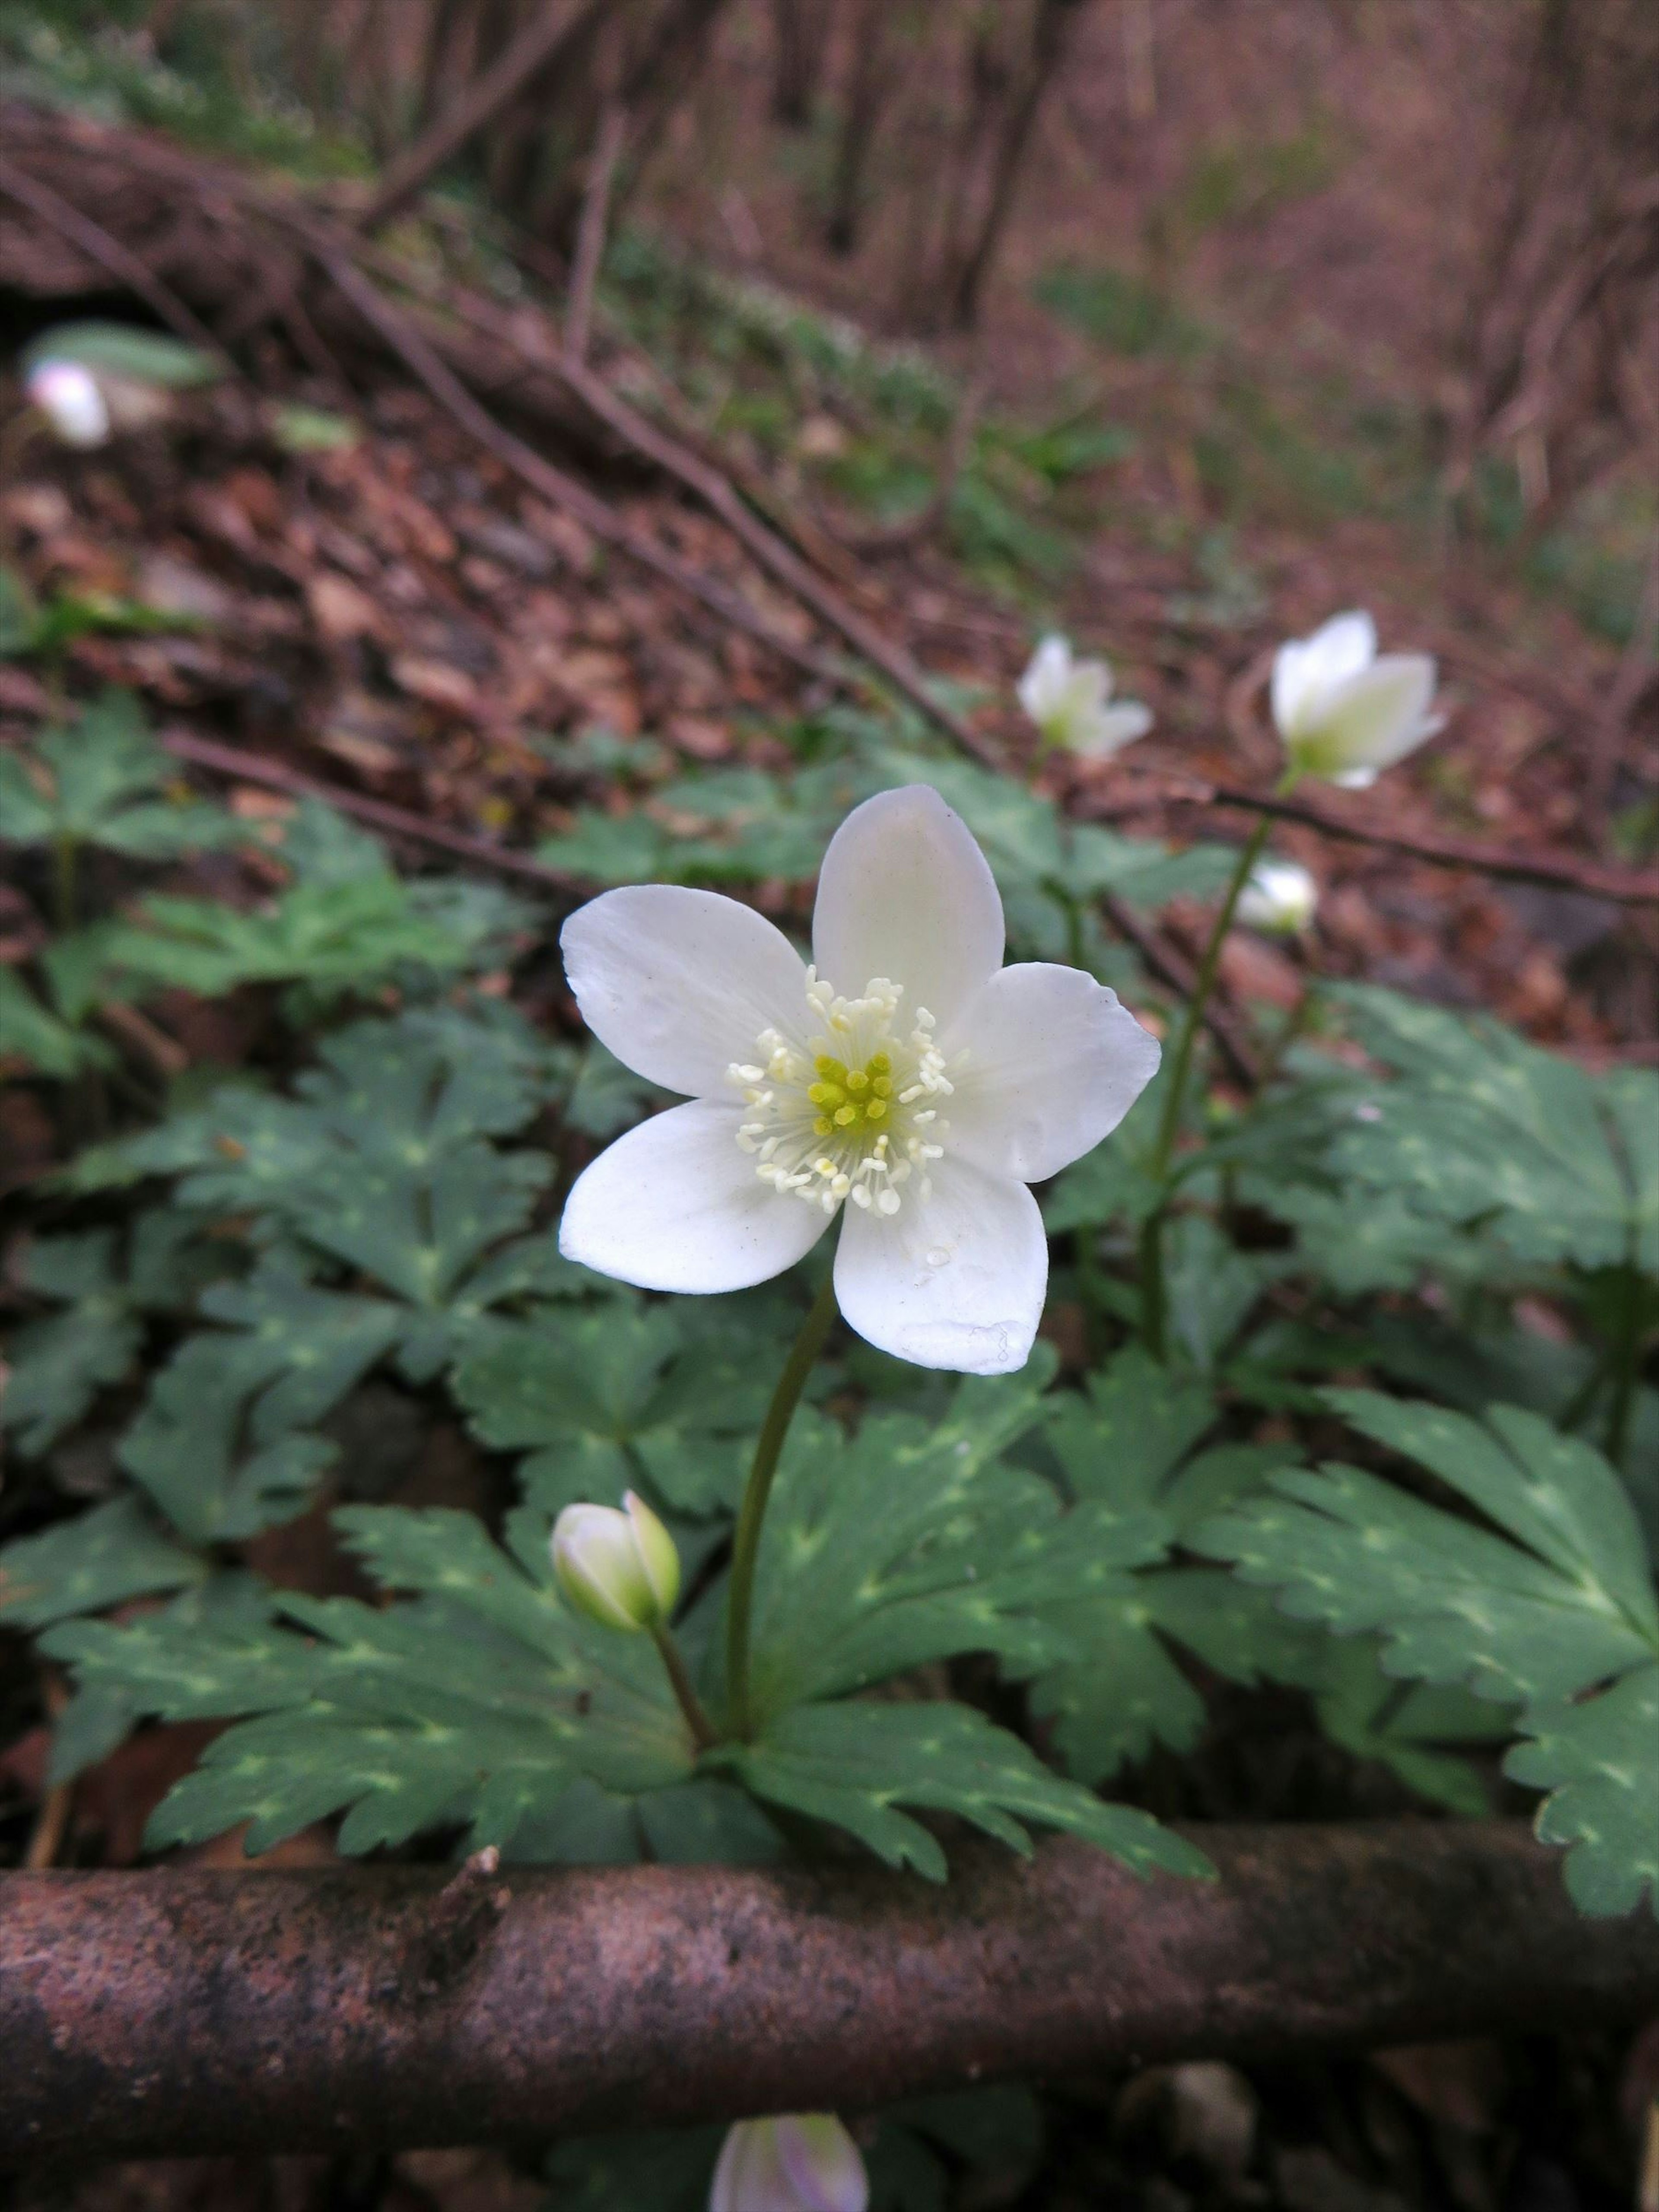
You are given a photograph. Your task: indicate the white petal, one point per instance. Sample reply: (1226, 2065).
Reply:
(679, 984)
(1307, 670)
(676, 1204)
(1375, 718)
(1114, 728)
(822, 2163)
(1043, 684)
(1054, 1065)
(954, 1280)
(906, 893)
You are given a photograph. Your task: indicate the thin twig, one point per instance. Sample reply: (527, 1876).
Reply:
(424, 362)
(1556, 871)
(392, 821)
(121, 263)
(52, 1822)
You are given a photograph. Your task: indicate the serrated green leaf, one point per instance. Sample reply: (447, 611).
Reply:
(1599, 1761)
(600, 1398)
(32, 1034)
(856, 1765)
(912, 1541)
(99, 1558)
(101, 781)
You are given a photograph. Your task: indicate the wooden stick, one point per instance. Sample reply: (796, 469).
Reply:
(146, 2013)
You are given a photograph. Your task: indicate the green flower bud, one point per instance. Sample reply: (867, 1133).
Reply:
(620, 1568)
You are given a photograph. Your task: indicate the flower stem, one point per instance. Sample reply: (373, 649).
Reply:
(745, 1546)
(704, 1734)
(1154, 1327)
(1627, 1362)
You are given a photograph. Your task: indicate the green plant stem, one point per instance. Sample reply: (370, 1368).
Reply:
(65, 852)
(703, 1733)
(1154, 1323)
(1626, 1361)
(745, 1546)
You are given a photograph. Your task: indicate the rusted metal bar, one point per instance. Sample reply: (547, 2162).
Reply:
(186, 2011)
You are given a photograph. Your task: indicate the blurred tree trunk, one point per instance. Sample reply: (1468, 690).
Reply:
(869, 81)
(1562, 342)
(966, 267)
(801, 30)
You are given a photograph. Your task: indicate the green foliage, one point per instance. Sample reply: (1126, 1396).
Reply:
(1137, 1438)
(856, 1765)
(1120, 311)
(1557, 1614)
(126, 351)
(102, 780)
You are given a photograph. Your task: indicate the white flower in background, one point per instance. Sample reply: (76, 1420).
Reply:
(803, 2162)
(1068, 700)
(620, 1568)
(67, 396)
(907, 1081)
(1344, 713)
(1279, 896)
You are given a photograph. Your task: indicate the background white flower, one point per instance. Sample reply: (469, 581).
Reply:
(1068, 700)
(1344, 713)
(800, 2162)
(67, 396)
(1279, 896)
(906, 1081)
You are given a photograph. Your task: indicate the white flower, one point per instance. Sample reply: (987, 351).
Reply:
(1280, 898)
(907, 1081)
(69, 396)
(1345, 713)
(621, 1568)
(1068, 699)
(803, 2162)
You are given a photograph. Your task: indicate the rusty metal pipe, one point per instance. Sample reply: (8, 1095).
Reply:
(186, 2011)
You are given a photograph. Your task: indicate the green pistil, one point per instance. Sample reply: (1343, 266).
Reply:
(849, 1099)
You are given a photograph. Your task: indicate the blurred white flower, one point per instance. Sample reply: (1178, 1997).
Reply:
(1069, 702)
(918, 1106)
(620, 1568)
(1343, 712)
(1279, 896)
(67, 396)
(802, 2162)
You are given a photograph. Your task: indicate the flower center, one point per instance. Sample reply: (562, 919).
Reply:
(845, 1108)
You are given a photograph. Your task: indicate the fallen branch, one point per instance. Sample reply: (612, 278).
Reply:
(184, 2011)
(1556, 871)
(377, 813)
(114, 259)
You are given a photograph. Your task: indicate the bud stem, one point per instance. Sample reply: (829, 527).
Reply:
(1154, 1325)
(703, 1732)
(745, 1546)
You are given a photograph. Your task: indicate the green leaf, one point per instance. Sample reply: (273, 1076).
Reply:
(913, 1541)
(61, 1363)
(218, 1476)
(124, 350)
(601, 1398)
(477, 1702)
(101, 781)
(1558, 1612)
(1598, 1760)
(853, 1765)
(1479, 1125)
(99, 1558)
(30, 1034)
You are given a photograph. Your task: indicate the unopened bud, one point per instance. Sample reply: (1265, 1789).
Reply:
(1280, 898)
(68, 395)
(620, 1568)
(801, 2162)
